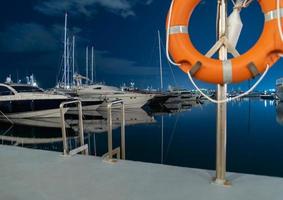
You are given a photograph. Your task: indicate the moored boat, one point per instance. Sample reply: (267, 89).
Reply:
(27, 101)
(279, 89)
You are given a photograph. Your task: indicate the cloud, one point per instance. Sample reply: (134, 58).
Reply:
(32, 37)
(148, 2)
(118, 66)
(27, 37)
(123, 8)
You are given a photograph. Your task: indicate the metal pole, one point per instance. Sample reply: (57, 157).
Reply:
(64, 134)
(123, 140)
(160, 61)
(81, 131)
(109, 123)
(220, 178)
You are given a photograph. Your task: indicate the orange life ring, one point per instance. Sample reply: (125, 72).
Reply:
(244, 67)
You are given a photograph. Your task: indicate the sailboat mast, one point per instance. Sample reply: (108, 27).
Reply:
(160, 61)
(92, 63)
(65, 50)
(68, 62)
(73, 62)
(86, 64)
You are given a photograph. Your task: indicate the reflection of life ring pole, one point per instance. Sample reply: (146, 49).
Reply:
(240, 68)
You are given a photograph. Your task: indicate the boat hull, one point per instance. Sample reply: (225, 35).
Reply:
(31, 108)
(131, 100)
(279, 92)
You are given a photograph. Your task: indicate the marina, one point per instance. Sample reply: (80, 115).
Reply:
(194, 113)
(179, 137)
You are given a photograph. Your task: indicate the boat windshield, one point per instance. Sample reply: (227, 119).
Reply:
(23, 89)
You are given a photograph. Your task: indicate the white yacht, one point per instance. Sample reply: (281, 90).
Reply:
(279, 89)
(27, 101)
(109, 93)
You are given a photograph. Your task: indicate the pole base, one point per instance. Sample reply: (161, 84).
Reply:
(221, 182)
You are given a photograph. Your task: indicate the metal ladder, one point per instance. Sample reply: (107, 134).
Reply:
(119, 152)
(84, 147)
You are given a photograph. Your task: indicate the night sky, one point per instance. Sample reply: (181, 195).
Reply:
(123, 32)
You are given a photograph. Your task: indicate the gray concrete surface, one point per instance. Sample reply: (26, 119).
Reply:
(27, 174)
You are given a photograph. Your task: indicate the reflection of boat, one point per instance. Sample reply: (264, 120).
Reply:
(174, 107)
(25, 141)
(26, 101)
(159, 100)
(268, 96)
(279, 89)
(132, 117)
(96, 124)
(279, 113)
(253, 94)
(44, 122)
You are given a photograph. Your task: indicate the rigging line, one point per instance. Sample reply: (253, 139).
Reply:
(154, 47)
(170, 66)
(247, 3)
(60, 67)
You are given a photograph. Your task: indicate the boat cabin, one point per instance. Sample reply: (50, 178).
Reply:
(13, 89)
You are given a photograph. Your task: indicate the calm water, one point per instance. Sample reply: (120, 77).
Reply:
(255, 136)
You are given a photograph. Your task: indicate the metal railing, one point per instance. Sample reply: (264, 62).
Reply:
(84, 147)
(119, 152)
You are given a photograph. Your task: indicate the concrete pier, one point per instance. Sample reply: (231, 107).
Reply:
(27, 174)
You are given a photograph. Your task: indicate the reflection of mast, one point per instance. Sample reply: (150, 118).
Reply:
(249, 120)
(94, 145)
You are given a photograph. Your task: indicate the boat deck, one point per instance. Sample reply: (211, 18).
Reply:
(36, 175)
